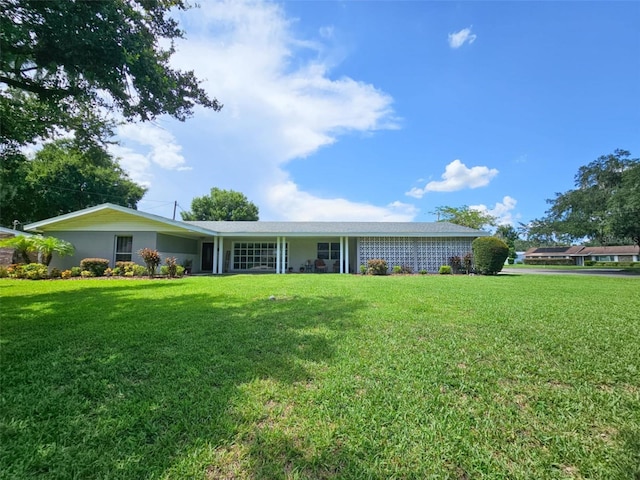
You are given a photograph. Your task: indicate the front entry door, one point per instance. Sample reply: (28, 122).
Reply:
(207, 256)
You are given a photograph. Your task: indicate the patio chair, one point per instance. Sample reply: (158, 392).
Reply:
(320, 266)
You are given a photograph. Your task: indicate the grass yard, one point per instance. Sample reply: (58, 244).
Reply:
(464, 377)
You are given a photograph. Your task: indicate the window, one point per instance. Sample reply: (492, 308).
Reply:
(604, 258)
(256, 256)
(328, 251)
(124, 248)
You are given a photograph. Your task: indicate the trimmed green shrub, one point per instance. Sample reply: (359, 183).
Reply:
(549, 261)
(363, 269)
(377, 266)
(15, 270)
(124, 267)
(87, 274)
(76, 271)
(423, 272)
(35, 271)
(55, 273)
(4, 273)
(139, 271)
(489, 254)
(97, 266)
(397, 269)
(617, 264)
(445, 270)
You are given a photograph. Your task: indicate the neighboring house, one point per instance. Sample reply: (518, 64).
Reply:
(580, 254)
(117, 233)
(7, 254)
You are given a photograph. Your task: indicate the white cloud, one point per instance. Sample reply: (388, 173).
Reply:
(280, 104)
(302, 206)
(135, 164)
(457, 176)
(503, 211)
(456, 40)
(164, 151)
(326, 32)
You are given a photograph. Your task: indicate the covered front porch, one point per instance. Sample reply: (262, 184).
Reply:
(293, 254)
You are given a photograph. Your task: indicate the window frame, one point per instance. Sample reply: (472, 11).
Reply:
(328, 250)
(120, 255)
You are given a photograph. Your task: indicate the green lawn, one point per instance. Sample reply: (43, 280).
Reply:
(464, 377)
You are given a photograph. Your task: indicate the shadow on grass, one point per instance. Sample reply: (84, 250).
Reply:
(129, 380)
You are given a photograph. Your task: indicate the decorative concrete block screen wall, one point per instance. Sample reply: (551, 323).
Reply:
(418, 253)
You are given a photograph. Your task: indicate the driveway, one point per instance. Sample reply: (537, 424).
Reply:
(602, 272)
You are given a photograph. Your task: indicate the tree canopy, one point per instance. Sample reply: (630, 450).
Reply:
(63, 62)
(465, 216)
(624, 205)
(226, 205)
(601, 207)
(60, 179)
(509, 235)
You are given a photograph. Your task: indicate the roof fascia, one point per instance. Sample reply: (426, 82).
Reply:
(119, 208)
(353, 234)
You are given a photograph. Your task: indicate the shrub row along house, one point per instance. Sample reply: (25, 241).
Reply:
(579, 255)
(117, 233)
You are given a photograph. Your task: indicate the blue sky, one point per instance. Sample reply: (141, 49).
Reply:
(382, 111)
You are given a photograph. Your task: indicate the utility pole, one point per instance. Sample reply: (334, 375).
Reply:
(175, 204)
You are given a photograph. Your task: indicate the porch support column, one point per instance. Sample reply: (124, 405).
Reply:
(345, 269)
(215, 255)
(283, 255)
(341, 270)
(277, 254)
(220, 255)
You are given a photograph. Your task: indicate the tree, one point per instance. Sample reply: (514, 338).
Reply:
(489, 254)
(464, 216)
(542, 232)
(584, 211)
(61, 179)
(64, 60)
(226, 205)
(624, 206)
(15, 196)
(509, 235)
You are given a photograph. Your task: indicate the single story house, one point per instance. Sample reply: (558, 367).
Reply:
(117, 233)
(579, 254)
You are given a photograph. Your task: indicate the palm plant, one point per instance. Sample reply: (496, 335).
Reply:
(47, 246)
(22, 244)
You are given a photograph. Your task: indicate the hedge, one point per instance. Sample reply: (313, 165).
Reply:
(549, 261)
